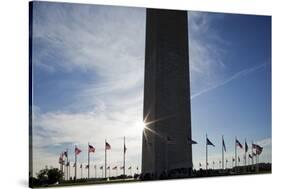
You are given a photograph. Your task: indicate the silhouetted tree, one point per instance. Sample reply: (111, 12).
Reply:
(49, 176)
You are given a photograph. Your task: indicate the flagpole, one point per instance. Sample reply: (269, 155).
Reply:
(124, 157)
(81, 171)
(75, 171)
(258, 162)
(105, 159)
(64, 166)
(245, 153)
(235, 152)
(206, 153)
(222, 153)
(69, 171)
(95, 167)
(67, 164)
(95, 171)
(88, 161)
(252, 154)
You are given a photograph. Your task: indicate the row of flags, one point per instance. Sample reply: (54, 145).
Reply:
(256, 151)
(233, 159)
(256, 147)
(91, 149)
(101, 167)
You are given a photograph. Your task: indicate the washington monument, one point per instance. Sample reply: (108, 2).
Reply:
(166, 150)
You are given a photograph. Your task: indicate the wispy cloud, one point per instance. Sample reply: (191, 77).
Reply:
(237, 75)
(207, 50)
(58, 131)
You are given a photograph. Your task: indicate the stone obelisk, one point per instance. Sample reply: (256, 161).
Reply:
(166, 150)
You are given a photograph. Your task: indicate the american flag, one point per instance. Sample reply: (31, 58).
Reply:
(190, 141)
(246, 146)
(77, 151)
(223, 145)
(61, 159)
(91, 148)
(125, 149)
(209, 142)
(107, 146)
(258, 148)
(238, 144)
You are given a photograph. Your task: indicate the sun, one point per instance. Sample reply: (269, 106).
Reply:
(140, 125)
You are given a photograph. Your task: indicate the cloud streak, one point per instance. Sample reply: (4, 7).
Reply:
(237, 75)
(207, 51)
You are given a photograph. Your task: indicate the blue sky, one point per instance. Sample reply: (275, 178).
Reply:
(88, 71)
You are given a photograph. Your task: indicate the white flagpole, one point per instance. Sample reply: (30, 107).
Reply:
(75, 177)
(252, 155)
(69, 175)
(67, 164)
(246, 153)
(206, 153)
(222, 153)
(88, 161)
(124, 163)
(235, 152)
(81, 171)
(105, 159)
